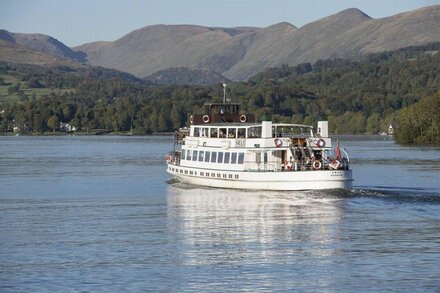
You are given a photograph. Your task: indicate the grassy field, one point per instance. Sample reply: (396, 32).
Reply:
(10, 81)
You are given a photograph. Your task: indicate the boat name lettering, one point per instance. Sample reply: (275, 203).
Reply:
(240, 142)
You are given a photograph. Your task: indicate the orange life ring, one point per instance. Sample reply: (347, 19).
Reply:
(321, 143)
(191, 119)
(243, 118)
(317, 165)
(205, 118)
(278, 142)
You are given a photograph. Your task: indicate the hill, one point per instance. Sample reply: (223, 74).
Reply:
(239, 53)
(15, 53)
(355, 96)
(186, 76)
(153, 48)
(43, 44)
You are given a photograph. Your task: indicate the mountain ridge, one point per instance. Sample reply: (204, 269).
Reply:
(42, 43)
(237, 53)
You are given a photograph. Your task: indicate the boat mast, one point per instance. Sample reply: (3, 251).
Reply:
(224, 93)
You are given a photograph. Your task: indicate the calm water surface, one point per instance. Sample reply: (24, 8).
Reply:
(95, 214)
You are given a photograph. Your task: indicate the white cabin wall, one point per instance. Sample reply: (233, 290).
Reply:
(266, 131)
(323, 128)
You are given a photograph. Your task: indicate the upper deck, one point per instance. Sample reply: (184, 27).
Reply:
(221, 113)
(250, 130)
(251, 135)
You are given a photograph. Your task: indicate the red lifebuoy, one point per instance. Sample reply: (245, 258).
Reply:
(317, 165)
(243, 118)
(191, 119)
(205, 118)
(278, 142)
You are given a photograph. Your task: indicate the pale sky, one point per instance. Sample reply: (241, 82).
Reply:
(75, 22)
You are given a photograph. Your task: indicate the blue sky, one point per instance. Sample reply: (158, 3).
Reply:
(76, 22)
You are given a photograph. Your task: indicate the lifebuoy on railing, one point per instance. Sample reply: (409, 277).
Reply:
(243, 118)
(205, 118)
(317, 165)
(321, 143)
(191, 119)
(278, 142)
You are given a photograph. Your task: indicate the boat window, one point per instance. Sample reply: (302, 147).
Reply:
(258, 158)
(241, 132)
(231, 132)
(188, 155)
(201, 156)
(214, 132)
(195, 155)
(205, 132)
(254, 132)
(222, 133)
(220, 157)
(227, 155)
(213, 157)
(265, 157)
(182, 156)
(240, 158)
(234, 158)
(207, 156)
(196, 131)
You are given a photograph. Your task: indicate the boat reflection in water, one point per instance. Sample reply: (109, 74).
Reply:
(284, 231)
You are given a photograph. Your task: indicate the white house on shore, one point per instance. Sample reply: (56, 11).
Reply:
(67, 127)
(390, 130)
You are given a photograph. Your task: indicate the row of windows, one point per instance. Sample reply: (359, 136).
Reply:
(213, 157)
(240, 132)
(206, 174)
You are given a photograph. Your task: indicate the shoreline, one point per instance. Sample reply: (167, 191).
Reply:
(91, 133)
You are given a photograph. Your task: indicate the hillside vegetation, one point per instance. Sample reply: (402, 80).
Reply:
(362, 96)
(420, 123)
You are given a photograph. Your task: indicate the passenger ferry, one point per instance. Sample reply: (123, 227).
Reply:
(225, 148)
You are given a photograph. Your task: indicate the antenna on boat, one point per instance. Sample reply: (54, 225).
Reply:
(224, 93)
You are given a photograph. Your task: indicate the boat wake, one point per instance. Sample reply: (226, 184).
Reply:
(397, 195)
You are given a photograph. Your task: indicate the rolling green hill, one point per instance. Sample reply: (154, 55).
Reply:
(362, 96)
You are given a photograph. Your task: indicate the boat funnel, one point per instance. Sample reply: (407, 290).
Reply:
(266, 130)
(323, 128)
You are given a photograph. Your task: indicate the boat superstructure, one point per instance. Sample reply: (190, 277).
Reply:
(226, 149)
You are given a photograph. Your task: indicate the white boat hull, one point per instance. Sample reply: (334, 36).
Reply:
(264, 180)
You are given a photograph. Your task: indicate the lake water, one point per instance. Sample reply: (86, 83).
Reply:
(95, 214)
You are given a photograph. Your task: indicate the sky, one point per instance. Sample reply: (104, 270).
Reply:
(75, 22)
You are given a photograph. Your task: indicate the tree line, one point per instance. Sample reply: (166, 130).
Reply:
(356, 96)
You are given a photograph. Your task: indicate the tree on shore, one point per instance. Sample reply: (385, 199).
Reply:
(420, 123)
(53, 122)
